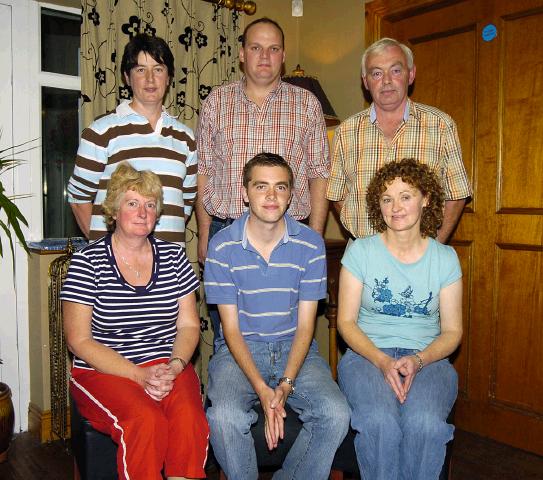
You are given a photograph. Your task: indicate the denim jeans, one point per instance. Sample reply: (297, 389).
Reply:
(321, 406)
(395, 441)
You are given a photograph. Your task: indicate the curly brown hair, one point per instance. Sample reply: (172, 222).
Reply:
(124, 178)
(419, 176)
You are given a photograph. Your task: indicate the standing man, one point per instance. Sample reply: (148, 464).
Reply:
(144, 134)
(392, 128)
(256, 114)
(267, 272)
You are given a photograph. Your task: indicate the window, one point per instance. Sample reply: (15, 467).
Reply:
(60, 42)
(60, 128)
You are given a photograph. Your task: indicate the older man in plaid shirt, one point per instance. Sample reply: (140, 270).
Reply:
(392, 128)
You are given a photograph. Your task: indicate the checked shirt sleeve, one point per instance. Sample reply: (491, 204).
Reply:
(205, 135)
(318, 152)
(337, 183)
(457, 183)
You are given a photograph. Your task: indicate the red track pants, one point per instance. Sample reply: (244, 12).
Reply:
(172, 433)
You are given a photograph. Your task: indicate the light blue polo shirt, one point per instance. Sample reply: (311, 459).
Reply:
(400, 302)
(266, 293)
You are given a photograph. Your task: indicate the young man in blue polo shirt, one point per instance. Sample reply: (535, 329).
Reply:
(266, 272)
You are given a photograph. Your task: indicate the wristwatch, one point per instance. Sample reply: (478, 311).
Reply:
(289, 381)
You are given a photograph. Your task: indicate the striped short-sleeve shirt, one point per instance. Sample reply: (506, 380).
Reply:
(232, 129)
(267, 294)
(138, 322)
(360, 149)
(169, 151)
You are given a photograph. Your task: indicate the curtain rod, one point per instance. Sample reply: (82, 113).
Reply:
(247, 7)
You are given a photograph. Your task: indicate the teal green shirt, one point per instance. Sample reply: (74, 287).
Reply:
(400, 302)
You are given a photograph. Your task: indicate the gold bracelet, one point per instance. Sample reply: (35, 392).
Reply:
(421, 363)
(178, 359)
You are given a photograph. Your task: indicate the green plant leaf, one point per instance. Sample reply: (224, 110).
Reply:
(9, 157)
(8, 233)
(13, 216)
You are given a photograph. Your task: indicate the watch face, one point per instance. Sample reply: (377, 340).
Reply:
(289, 381)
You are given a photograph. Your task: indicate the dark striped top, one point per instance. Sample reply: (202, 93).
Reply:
(137, 322)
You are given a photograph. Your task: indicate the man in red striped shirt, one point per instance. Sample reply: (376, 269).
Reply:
(259, 113)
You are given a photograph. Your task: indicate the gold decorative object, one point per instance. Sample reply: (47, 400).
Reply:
(58, 351)
(247, 7)
(7, 419)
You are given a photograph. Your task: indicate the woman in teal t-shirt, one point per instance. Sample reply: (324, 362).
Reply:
(400, 312)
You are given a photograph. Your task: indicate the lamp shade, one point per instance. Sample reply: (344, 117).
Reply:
(312, 84)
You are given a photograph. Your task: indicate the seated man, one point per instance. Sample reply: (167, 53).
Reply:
(266, 272)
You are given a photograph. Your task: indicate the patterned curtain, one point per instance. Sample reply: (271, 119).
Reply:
(202, 37)
(204, 40)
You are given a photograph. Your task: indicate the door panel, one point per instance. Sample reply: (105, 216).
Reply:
(461, 358)
(450, 80)
(493, 88)
(517, 322)
(521, 94)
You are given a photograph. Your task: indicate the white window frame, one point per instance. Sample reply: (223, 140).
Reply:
(27, 80)
(53, 80)
(36, 80)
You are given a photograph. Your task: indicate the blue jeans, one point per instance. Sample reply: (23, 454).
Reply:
(395, 441)
(321, 406)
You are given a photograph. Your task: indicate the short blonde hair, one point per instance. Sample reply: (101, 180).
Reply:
(125, 178)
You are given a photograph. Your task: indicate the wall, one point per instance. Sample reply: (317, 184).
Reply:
(330, 51)
(328, 43)
(20, 122)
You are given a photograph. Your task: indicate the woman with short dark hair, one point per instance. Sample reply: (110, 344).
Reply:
(400, 313)
(141, 132)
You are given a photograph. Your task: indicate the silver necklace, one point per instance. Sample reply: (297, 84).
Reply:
(130, 267)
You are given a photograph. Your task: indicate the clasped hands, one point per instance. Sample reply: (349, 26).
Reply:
(158, 380)
(273, 403)
(399, 374)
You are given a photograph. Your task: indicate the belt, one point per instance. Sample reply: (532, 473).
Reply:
(224, 221)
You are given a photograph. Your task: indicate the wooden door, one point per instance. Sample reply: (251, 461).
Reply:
(481, 61)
